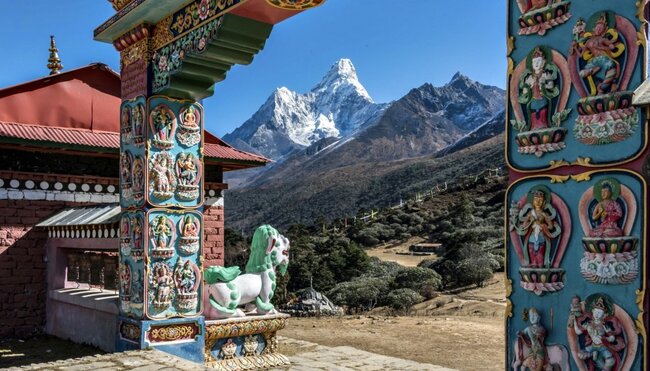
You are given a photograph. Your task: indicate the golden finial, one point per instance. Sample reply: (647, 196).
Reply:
(54, 64)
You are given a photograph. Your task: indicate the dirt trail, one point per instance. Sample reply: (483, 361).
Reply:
(463, 331)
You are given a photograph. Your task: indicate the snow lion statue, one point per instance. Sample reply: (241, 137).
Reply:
(228, 288)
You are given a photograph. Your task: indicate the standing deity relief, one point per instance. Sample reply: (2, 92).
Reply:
(601, 335)
(162, 122)
(162, 236)
(531, 351)
(161, 175)
(539, 101)
(540, 227)
(602, 59)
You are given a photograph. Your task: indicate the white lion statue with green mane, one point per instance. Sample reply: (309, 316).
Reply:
(228, 289)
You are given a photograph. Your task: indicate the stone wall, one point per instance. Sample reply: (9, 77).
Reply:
(22, 266)
(213, 247)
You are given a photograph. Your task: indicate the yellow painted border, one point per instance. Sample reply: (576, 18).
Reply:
(579, 161)
(583, 177)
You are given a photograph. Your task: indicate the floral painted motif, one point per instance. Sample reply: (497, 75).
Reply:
(196, 13)
(601, 335)
(189, 131)
(539, 16)
(163, 126)
(161, 176)
(607, 214)
(539, 103)
(540, 227)
(295, 4)
(169, 58)
(187, 277)
(162, 234)
(188, 172)
(602, 58)
(190, 230)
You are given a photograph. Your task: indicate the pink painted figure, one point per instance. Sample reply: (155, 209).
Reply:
(607, 213)
(137, 233)
(162, 175)
(532, 339)
(190, 228)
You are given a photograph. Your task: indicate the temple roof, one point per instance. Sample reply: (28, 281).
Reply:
(79, 110)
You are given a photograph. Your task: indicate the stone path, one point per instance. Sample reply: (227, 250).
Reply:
(305, 356)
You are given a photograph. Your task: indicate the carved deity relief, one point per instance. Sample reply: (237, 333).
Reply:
(138, 179)
(601, 335)
(187, 277)
(188, 172)
(161, 175)
(125, 235)
(126, 175)
(126, 130)
(189, 228)
(539, 101)
(602, 59)
(161, 286)
(607, 214)
(531, 351)
(539, 16)
(162, 122)
(125, 286)
(162, 234)
(137, 247)
(137, 123)
(540, 227)
(189, 131)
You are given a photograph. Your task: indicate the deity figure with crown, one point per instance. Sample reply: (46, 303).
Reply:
(539, 103)
(601, 335)
(161, 176)
(539, 16)
(189, 131)
(162, 237)
(602, 59)
(189, 228)
(540, 226)
(186, 279)
(607, 215)
(188, 172)
(137, 118)
(163, 126)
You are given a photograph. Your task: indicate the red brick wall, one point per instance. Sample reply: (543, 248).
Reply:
(213, 236)
(22, 266)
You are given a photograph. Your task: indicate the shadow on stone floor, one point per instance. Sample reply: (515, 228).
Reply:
(41, 349)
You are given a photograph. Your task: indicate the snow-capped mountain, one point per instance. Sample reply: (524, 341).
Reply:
(337, 106)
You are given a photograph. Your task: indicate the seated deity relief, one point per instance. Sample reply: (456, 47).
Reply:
(531, 351)
(608, 211)
(602, 59)
(189, 227)
(540, 227)
(187, 277)
(539, 16)
(602, 336)
(189, 131)
(540, 89)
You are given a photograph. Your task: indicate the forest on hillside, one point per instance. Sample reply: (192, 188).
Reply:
(330, 256)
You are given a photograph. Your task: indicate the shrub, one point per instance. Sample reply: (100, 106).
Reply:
(403, 299)
(415, 278)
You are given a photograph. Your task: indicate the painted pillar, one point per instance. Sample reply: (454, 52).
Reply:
(576, 206)
(171, 54)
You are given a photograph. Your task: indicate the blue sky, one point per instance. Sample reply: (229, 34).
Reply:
(393, 48)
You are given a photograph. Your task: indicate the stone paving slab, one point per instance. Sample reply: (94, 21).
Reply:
(307, 357)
